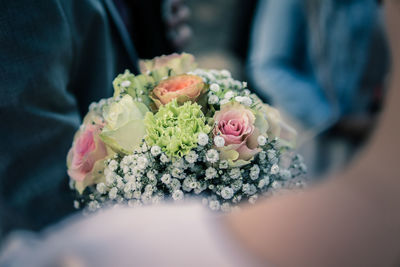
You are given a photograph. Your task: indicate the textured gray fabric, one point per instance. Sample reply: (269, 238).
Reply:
(56, 57)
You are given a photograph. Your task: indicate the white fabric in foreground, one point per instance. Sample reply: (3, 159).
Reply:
(186, 235)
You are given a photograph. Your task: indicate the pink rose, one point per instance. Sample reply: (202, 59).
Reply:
(235, 123)
(87, 151)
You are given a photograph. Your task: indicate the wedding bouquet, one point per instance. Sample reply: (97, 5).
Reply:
(176, 131)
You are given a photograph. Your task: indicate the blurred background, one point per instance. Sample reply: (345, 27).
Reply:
(215, 31)
(221, 32)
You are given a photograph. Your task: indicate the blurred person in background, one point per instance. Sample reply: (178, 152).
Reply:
(157, 27)
(323, 63)
(56, 58)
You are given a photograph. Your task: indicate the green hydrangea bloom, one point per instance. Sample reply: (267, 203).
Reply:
(175, 128)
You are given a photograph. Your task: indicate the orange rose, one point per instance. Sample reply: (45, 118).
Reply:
(183, 88)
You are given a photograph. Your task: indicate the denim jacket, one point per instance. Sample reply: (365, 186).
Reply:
(318, 66)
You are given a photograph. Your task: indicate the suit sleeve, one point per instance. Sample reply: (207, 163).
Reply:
(38, 114)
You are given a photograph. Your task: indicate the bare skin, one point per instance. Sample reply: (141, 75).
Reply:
(352, 219)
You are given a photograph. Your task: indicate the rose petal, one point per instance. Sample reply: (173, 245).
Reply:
(246, 153)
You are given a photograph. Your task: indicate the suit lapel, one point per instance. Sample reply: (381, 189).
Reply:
(126, 40)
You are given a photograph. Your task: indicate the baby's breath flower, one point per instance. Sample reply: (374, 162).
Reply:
(254, 172)
(134, 203)
(120, 182)
(201, 186)
(137, 194)
(223, 102)
(93, 205)
(238, 98)
(76, 204)
(219, 141)
(149, 189)
(126, 83)
(254, 175)
(146, 197)
(237, 199)
(129, 187)
(179, 163)
(261, 184)
(235, 173)
(249, 189)
(229, 95)
(261, 140)
(151, 174)
(274, 169)
(238, 85)
(212, 155)
(72, 183)
(303, 167)
(276, 185)
(166, 178)
(125, 169)
(267, 179)
(211, 173)
(223, 164)
(253, 199)
(156, 200)
(214, 87)
(262, 155)
(214, 205)
(189, 184)
(236, 185)
(145, 148)
(191, 157)
(177, 195)
(110, 178)
(213, 100)
(113, 193)
(176, 172)
(227, 193)
(193, 184)
(155, 150)
(128, 195)
(164, 158)
(225, 73)
(101, 188)
(202, 139)
(113, 165)
(255, 168)
(142, 162)
(271, 154)
(226, 83)
(285, 174)
(175, 184)
(247, 101)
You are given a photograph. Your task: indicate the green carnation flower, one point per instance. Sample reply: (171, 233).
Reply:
(175, 128)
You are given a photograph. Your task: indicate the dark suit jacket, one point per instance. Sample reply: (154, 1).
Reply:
(56, 57)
